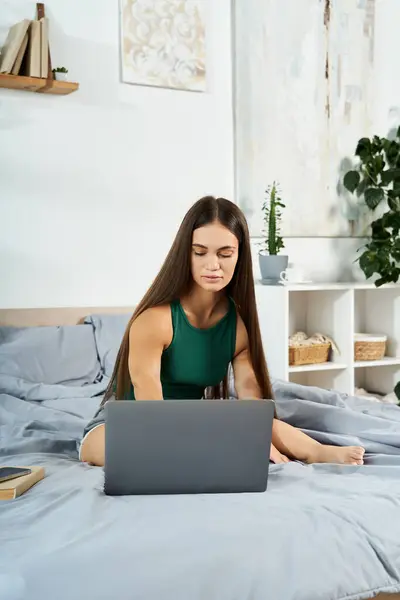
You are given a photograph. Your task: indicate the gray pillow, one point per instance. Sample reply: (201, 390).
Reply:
(108, 332)
(50, 355)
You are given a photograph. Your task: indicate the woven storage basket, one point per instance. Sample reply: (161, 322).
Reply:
(309, 354)
(369, 347)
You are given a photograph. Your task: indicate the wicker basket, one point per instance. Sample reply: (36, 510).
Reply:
(309, 354)
(369, 347)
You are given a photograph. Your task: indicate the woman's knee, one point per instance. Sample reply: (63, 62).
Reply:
(93, 447)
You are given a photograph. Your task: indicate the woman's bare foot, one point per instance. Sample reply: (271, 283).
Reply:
(346, 455)
(277, 457)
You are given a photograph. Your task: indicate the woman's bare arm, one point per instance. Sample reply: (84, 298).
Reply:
(149, 335)
(245, 380)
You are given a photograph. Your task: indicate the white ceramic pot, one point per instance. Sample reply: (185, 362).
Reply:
(61, 76)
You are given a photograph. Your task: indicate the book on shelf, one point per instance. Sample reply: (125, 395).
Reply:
(34, 50)
(12, 46)
(44, 47)
(20, 56)
(26, 51)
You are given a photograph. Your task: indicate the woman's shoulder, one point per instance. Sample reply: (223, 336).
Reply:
(154, 321)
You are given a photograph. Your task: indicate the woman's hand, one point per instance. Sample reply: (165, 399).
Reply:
(277, 457)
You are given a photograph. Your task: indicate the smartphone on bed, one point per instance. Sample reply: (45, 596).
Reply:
(7, 473)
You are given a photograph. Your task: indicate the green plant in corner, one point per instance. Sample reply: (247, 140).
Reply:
(397, 392)
(272, 218)
(60, 70)
(377, 179)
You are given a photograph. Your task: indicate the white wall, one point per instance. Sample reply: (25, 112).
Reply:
(93, 185)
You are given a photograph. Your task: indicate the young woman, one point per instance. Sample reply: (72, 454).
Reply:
(198, 318)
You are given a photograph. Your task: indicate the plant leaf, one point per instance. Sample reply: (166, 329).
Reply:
(388, 176)
(351, 180)
(379, 233)
(377, 144)
(391, 219)
(363, 149)
(394, 203)
(368, 263)
(381, 281)
(379, 164)
(373, 196)
(362, 187)
(395, 193)
(393, 153)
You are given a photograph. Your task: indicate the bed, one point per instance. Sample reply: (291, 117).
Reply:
(320, 532)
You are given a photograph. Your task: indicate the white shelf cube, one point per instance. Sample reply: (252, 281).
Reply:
(338, 310)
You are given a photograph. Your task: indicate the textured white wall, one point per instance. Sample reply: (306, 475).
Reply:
(93, 185)
(312, 77)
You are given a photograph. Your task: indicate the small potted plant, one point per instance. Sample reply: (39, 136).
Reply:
(60, 73)
(271, 262)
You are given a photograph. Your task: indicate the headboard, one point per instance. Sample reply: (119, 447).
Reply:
(34, 317)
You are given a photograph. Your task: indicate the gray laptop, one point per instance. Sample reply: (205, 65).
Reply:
(187, 446)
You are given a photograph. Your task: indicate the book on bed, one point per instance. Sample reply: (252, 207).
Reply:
(16, 487)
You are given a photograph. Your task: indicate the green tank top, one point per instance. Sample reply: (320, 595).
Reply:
(196, 358)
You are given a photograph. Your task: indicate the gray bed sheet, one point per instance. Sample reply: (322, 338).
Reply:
(320, 532)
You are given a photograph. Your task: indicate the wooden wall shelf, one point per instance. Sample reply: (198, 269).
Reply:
(36, 84)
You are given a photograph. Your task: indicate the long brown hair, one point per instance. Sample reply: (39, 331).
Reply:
(175, 279)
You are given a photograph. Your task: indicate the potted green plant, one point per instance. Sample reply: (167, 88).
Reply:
(271, 262)
(60, 73)
(397, 392)
(376, 178)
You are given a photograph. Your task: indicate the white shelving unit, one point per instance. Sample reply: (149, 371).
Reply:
(338, 310)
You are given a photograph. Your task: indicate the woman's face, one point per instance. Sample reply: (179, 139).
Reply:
(215, 252)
